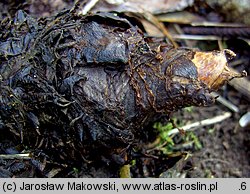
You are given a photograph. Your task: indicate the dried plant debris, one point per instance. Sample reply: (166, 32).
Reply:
(233, 10)
(82, 88)
(141, 6)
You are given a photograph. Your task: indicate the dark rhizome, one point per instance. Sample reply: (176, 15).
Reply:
(83, 88)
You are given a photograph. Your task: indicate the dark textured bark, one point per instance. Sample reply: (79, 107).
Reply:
(71, 81)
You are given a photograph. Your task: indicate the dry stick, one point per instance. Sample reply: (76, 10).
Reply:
(180, 31)
(195, 37)
(15, 156)
(154, 20)
(245, 120)
(225, 102)
(205, 122)
(242, 85)
(88, 7)
(218, 24)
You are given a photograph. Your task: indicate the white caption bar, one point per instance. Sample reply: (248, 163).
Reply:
(111, 185)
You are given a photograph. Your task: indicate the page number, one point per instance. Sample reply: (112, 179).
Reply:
(243, 186)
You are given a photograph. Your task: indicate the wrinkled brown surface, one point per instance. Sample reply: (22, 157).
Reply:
(72, 85)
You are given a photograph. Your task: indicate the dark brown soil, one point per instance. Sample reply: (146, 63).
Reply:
(225, 148)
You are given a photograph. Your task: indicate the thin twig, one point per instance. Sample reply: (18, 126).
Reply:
(88, 7)
(218, 31)
(15, 156)
(218, 24)
(216, 160)
(205, 122)
(195, 37)
(245, 120)
(225, 102)
(242, 85)
(154, 20)
(180, 31)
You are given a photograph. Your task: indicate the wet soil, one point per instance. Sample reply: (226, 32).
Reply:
(225, 151)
